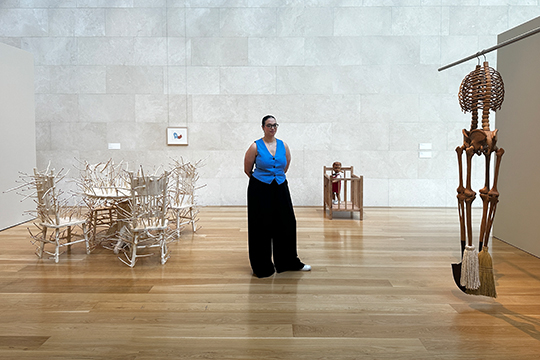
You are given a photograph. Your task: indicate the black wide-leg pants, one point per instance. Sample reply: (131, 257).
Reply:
(271, 228)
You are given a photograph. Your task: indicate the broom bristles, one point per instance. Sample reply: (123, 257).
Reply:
(487, 280)
(470, 278)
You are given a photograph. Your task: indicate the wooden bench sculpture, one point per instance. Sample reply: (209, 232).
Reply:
(482, 89)
(343, 190)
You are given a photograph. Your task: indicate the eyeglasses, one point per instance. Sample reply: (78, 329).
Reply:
(270, 126)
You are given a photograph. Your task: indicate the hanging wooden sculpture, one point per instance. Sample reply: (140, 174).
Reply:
(482, 89)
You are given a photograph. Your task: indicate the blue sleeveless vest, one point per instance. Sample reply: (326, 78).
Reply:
(267, 167)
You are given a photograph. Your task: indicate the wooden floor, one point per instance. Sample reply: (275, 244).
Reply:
(380, 289)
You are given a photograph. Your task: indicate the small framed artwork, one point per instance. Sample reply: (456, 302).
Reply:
(177, 136)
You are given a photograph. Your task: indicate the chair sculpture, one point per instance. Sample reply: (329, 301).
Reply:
(182, 187)
(53, 212)
(349, 188)
(482, 89)
(102, 187)
(145, 213)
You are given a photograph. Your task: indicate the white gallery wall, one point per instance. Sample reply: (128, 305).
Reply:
(518, 122)
(17, 131)
(353, 81)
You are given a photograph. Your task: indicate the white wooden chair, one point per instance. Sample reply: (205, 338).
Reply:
(102, 186)
(182, 186)
(53, 213)
(146, 220)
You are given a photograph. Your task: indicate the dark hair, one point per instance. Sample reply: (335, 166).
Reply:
(266, 118)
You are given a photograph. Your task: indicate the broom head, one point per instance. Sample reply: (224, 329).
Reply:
(469, 268)
(487, 280)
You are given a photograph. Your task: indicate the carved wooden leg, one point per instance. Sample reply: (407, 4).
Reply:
(469, 268)
(461, 198)
(487, 280)
(493, 195)
(470, 195)
(485, 201)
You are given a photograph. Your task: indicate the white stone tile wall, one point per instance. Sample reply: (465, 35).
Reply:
(348, 80)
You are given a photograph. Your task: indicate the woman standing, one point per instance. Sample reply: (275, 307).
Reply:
(271, 219)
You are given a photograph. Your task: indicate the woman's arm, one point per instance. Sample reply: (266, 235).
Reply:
(287, 155)
(249, 159)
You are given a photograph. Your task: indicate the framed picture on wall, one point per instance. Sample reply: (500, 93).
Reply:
(177, 136)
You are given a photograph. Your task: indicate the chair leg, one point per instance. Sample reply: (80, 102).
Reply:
(86, 239)
(134, 249)
(68, 235)
(163, 247)
(193, 225)
(93, 222)
(42, 242)
(57, 243)
(177, 224)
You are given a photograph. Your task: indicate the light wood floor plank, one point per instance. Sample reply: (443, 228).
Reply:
(381, 288)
